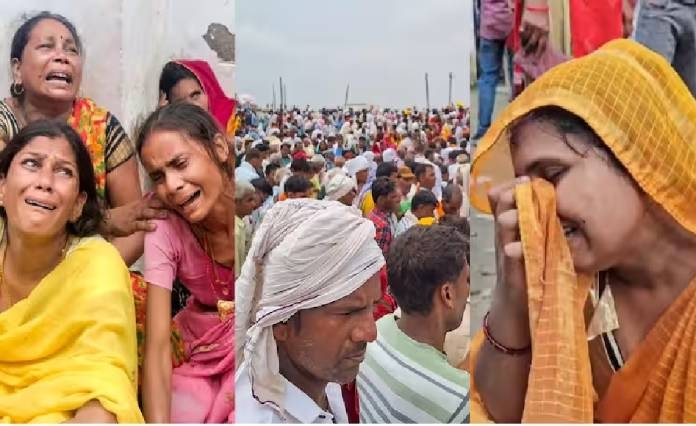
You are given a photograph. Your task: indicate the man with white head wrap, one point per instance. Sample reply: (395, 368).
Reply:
(341, 188)
(304, 312)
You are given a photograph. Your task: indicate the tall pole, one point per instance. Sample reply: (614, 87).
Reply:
(427, 93)
(280, 123)
(345, 103)
(285, 96)
(449, 102)
(274, 97)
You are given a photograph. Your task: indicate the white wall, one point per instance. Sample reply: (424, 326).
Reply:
(127, 42)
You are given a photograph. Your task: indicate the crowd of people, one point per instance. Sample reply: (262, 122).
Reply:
(351, 255)
(83, 338)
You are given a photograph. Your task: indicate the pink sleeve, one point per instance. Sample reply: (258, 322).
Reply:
(162, 255)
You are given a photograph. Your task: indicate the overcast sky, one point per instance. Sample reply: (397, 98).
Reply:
(383, 48)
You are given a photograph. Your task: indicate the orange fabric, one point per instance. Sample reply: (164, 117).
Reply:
(643, 112)
(560, 379)
(657, 384)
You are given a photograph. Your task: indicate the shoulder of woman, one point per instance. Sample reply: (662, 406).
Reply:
(96, 254)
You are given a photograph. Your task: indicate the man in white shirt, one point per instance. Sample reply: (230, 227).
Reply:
(420, 158)
(305, 317)
(247, 171)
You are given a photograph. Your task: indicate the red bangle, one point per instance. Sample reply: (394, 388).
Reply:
(537, 8)
(499, 346)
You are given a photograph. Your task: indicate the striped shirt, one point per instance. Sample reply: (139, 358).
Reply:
(404, 381)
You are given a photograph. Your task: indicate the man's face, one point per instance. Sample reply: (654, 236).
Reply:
(328, 343)
(428, 178)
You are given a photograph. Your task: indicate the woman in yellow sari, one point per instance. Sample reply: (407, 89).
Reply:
(67, 320)
(594, 314)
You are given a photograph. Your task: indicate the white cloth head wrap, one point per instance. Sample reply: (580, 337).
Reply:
(338, 186)
(389, 155)
(356, 165)
(306, 254)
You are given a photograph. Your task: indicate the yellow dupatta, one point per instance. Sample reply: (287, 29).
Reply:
(644, 113)
(71, 341)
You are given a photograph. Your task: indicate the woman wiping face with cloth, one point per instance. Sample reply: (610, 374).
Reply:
(592, 318)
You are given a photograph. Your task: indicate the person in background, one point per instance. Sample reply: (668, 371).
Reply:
(359, 169)
(452, 199)
(298, 186)
(249, 169)
(388, 170)
(285, 158)
(495, 26)
(422, 212)
(383, 215)
(194, 81)
(264, 194)
(318, 166)
(668, 27)
(444, 172)
(405, 368)
(340, 188)
(405, 180)
(245, 202)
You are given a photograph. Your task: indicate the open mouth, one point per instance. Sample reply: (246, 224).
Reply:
(39, 204)
(190, 200)
(59, 76)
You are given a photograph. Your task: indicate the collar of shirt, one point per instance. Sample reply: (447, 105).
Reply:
(299, 408)
(305, 410)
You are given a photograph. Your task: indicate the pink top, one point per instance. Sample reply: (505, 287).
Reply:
(496, 19)
(172, 250)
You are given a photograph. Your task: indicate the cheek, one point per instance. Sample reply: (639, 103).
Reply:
(606, 203)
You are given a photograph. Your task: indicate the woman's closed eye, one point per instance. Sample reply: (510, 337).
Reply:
(554, 174)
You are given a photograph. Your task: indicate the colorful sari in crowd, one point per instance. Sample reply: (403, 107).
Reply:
(72, 341)
(220, 105)
(203, 385)
(576, 28)
(641, 109)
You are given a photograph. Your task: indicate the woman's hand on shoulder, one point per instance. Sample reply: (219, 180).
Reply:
(134, 217)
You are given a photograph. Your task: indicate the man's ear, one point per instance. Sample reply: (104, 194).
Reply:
(447, 295)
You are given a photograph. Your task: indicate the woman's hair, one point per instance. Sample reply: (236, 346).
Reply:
(172, 74)
(21, 36)
(566, 123)
(91, 217)
(194, 122)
